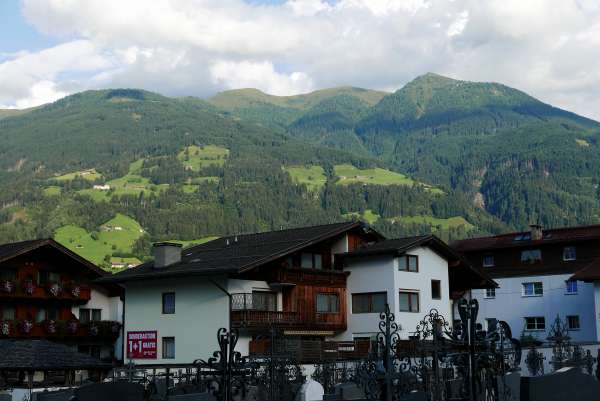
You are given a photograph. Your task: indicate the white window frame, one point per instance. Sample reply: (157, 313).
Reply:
(489, 293)
(492, 264)
(536, 323)
(568, 290)
(534, 293)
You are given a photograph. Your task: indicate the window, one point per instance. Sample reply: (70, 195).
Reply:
(409, 301)
(8, 312)
(168, 348)
(168, 303)
(488, 261)
(311, 260)
(571, 287)
(96, 315)
(533, 289)
(569, 253)
(436, 289)
(531, 256)
(373, 302)
(328, 303)
(490, 323)
(265, 301)
(45, 277)
(90, 315)
(490, 293)
(306, 261)
(41, 315)
(408, 263)
(84, 315)
(535, 323)
(573, 322)
(52, 313)
(318, 261)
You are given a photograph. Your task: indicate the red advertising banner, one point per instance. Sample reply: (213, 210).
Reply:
(141, 344)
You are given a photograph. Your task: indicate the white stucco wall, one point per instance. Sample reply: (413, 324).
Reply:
(111, 306)
(112, 310)
(376, 274)
(200, 310)
(511, 306)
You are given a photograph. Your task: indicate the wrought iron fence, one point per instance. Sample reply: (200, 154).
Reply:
(439, 362)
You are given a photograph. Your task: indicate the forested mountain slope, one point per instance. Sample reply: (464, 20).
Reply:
(107, 172)
(519, 159)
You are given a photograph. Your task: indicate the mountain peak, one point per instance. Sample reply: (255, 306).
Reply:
(432, 80)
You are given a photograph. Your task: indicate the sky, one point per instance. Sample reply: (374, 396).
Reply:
(52, 48)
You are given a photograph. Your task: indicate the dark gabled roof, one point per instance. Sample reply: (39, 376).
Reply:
(589, 273)
(14, 249)
(238, 253)
(400, 246)
(44, 355)
(515, 240)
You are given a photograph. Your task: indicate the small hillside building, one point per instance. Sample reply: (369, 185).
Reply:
(305, 285)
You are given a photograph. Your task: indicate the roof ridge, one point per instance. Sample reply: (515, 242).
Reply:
(514, 233)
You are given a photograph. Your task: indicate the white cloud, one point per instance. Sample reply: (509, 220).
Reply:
(247, 74)
(549, 48)
(30, 79)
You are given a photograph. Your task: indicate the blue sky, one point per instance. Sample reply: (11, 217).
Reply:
(16, 34)
(547, 48)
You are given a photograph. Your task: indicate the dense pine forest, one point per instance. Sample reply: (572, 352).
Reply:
(108, 172)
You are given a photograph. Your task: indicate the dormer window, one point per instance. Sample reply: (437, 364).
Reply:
(569, 253)
(531, 256)
(488, 261)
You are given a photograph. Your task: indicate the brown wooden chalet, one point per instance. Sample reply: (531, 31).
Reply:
(41, 284)
(536, 252)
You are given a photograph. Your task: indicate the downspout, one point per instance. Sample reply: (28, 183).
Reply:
(124, 339)
(220, 287)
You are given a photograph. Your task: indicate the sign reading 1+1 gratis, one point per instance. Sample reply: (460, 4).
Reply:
(141, 344)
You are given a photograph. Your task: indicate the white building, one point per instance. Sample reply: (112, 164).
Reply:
(301, 284)
(412, 275)
(534, 271)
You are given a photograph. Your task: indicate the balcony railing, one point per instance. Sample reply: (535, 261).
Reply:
(59, 329)
(259, 309)
(29, 289)
(311, 351)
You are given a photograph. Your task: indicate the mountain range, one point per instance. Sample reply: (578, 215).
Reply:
(107, 172)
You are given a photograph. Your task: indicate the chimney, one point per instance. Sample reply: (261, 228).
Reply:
(536, 232)
(166, 254)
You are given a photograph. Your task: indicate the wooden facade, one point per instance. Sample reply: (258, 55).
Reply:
(39, 290)
(300, 287)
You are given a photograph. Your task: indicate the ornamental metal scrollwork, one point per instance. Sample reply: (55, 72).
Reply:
(230, 373)
(439, 360)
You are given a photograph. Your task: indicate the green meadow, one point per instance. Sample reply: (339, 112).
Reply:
(197, 157)
(313, 176)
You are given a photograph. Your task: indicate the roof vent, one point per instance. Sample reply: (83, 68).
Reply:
(166, 254)
(537, 233)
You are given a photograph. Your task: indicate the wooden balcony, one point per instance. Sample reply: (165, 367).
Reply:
(60, 330)
(26, 289)
(264, 319)
(258, 312)
(311, 351)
